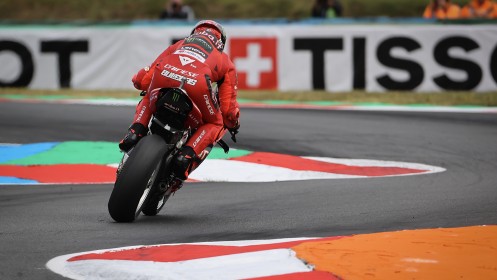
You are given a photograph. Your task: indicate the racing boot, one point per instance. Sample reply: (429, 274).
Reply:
(135, 132)
(183, 165)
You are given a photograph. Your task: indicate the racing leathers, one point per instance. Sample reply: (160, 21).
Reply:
(198, 59)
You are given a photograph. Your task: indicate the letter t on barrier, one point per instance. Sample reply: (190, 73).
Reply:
(64, 50)
(318, 46)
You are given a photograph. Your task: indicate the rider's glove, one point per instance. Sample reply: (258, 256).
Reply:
(234, 129)
(141, 80)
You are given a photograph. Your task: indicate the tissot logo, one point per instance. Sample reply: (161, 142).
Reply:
(185, 60)
(256, 62)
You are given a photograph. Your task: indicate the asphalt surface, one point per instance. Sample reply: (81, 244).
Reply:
(38, 223)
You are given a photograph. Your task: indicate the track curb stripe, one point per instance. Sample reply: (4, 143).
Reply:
(77, 162)
(450, 253)
(300, 163)
(61, 173)
(251, 259)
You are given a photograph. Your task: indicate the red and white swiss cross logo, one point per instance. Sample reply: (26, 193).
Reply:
(256, 62)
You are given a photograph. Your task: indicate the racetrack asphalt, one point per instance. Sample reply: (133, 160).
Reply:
(39, 222)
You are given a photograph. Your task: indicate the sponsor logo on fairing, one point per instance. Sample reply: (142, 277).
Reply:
(192, 117)
(171, 107)
(175, 96)
(178, 77)
(153, 96)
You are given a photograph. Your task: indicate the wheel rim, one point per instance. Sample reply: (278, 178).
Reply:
(160, 204)
(146, 192)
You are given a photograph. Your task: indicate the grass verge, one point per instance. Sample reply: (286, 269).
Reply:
(458, 98)
(150, 9)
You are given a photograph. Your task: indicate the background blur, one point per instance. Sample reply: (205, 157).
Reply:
(225, 9)
(284, 45)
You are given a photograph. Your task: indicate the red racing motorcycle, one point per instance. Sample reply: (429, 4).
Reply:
(144, 180)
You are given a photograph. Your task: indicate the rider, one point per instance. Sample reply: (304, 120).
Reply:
(200, 59)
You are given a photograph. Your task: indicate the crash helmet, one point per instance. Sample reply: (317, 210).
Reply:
(215, 25)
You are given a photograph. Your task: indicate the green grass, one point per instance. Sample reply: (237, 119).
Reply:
(218, 9)
(401, 98)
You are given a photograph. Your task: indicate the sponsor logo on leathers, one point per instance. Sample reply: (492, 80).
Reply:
(190, 53)
(141, 113)
(192, 117)
(194, 49)
(178, 77)
(208, 103)
(217, 42)
(185, 60)
(204, 44)
(181, 71)
(198, 138)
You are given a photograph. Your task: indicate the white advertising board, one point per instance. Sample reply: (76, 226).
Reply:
(285, 57)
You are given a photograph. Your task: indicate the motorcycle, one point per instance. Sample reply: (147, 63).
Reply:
(144, 179)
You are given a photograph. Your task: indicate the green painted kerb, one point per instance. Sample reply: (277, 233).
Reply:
(75, 152)
(78, 152)
(45, 97)
(218, 153)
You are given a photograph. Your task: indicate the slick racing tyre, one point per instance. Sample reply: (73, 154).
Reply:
(137, 179)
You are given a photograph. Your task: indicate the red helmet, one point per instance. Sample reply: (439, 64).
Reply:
(214, 25)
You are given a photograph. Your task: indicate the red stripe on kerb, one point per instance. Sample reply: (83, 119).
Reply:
(303, 164)
(175, 253)
(314, 275)
(62, 173)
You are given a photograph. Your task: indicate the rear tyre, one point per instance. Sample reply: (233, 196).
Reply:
(161, 193)
(137, 179)
(154, 205)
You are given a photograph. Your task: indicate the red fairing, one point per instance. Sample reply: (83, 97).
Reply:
(194, 119)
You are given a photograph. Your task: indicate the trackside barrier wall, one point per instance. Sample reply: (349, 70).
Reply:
(427, 57)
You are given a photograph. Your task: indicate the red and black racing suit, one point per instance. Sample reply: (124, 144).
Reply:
(197, 59)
